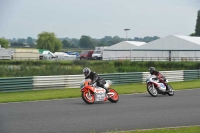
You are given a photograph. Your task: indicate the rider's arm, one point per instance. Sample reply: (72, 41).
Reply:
(160, 75)
(95, 77)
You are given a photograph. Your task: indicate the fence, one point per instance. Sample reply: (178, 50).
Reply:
(73, 81)
(16, 84)
(178, 59)
(155, 58)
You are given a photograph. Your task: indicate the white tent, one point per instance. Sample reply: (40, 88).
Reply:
(126, 45)
(121, 50)
(174, 42)
(173, 47)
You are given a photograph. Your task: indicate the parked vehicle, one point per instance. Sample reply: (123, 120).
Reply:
(47, 55)
(98, 53)
(73, 53)
(154, 87)
(86, 54)
(65, 56)
(93, 93)
(6, 54)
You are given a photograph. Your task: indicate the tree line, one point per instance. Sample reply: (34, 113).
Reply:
(83, 42)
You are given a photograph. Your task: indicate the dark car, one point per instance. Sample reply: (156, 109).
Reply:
(86, 54)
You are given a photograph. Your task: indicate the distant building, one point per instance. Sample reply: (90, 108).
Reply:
(170, 48)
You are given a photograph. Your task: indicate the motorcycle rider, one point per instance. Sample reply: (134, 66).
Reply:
(95, 78)
(159, 76)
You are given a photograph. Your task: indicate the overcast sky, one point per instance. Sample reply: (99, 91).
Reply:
(97, 18)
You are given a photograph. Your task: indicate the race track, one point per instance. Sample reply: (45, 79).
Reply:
(137, 111)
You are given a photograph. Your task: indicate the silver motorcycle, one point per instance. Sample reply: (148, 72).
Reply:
(154, 87)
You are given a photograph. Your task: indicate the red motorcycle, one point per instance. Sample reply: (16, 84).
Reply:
(93, 93)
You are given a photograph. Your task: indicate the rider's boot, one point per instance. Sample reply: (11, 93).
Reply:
(105, 99)
(167, 89)
(106, 89)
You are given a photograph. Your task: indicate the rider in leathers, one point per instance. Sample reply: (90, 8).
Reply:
(158, 75)
(95, 78)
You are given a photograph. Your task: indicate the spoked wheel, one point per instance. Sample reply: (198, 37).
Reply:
(152, 91)
(113, 97)
(88, 97)
(171, 91)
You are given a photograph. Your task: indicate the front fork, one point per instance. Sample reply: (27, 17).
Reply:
(89, 93)
(110, 94)
(151, 84)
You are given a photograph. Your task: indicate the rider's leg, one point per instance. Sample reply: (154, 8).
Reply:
(164, 82)
(102, 84)
(105, 88)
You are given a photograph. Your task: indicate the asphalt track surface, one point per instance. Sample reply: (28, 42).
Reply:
(137, 111)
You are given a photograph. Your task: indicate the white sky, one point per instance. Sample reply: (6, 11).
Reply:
(97, 18)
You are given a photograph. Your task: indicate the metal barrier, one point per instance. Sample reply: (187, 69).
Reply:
(178, 59)
(123, 78)
(191, 74)
(182, 59)
(16, 84)
(73, 81)
(62, 81)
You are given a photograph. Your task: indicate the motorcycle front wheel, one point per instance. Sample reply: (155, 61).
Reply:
(171, 91)
(87, 97)
(152, 91)
(114, 98)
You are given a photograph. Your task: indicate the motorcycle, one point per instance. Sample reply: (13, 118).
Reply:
(154, 87)
(93, 93)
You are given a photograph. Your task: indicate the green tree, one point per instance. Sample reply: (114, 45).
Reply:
(66, 44)
(17, 44)
(197, 30)
(29, 40)
(116, 39)
(86, 42)
(4, 43)
(101, 44)
(193, 34)
(74, 42)
(21, 40)
(48, 40)
(57, 45)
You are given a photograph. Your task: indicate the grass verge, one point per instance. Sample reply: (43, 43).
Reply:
(35, 95)
(191, 129)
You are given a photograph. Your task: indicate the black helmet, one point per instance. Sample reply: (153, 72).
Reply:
(86, 71)
(151, 70)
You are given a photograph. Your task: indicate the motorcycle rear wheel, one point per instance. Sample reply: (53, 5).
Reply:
(152, 91)
(88, 98)
(114, 98)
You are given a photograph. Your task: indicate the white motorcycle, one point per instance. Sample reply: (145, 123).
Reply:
(154, 87)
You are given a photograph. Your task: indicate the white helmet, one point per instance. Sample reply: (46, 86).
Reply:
(86, 71)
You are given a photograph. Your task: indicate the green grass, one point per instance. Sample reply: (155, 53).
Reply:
(35, 95)
(191, 129)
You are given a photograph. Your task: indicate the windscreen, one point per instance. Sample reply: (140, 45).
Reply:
(97, 52)
(84, 52)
